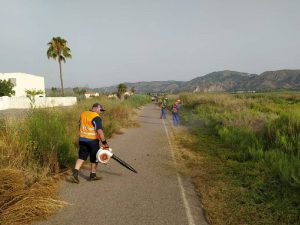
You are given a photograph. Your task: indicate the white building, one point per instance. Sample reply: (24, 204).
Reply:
(91, 94)
(24, 81)
(128, 93)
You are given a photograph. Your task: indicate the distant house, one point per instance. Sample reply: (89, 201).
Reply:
(128, 93)
(91, 94)
(111, 96)
(23, 82)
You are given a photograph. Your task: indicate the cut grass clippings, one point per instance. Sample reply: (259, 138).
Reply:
(22, 203)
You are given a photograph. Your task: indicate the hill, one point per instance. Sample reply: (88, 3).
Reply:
(221, 81)
(272, 80)
(217, 81)
(145, 87)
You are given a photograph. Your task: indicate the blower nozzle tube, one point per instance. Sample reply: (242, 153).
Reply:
(104, 155)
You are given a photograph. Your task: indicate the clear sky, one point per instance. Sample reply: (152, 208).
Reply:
(116, 41)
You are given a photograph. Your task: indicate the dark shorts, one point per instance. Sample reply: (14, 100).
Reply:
(88, 148)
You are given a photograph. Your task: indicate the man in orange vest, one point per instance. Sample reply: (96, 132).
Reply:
(91, 133)
(175, 112)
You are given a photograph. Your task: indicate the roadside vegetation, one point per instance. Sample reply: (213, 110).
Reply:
(246, 156)
(39, 146)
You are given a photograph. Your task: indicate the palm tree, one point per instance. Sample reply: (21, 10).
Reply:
(59, 50)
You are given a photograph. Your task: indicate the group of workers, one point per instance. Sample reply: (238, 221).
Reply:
(174, 110)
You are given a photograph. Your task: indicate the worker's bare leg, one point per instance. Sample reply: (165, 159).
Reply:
(78, 164)
(93, 167)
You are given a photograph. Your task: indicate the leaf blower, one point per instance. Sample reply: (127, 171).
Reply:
(104, 155)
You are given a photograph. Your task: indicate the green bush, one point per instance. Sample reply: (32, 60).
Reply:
(252, 125)
(48, 139)
(284, 133)
(137, 100)
(44, 140)
(286, 166)
(261, 156)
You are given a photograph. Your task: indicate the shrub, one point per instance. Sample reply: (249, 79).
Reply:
(252, 125)
(49, 143)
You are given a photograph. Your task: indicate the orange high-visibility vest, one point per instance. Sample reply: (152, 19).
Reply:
(174, 107)
(87, 130)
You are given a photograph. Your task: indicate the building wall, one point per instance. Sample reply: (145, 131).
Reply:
(93, 94)
(40, 102)
(24, 81)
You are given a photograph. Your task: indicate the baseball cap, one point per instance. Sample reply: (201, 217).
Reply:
(95, 105)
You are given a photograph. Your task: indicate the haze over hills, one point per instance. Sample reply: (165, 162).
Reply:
(221, 81)
(148, 86)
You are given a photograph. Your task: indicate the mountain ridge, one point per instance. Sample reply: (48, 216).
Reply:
(225, 80)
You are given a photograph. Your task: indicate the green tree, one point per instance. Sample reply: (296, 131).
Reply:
(54, 91)
(30, 94)
(132, 90)
(6, 88)
(79, 91)
(58, 50)
(122, 88)
(76, 90)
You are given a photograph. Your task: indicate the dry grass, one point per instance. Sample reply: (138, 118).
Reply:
(223, 201)
(21, 203)
(255, 178)
(13, 152)
(236, 111)
(206, 177)
(27, 192)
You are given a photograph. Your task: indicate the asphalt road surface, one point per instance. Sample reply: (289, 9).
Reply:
(156, 195)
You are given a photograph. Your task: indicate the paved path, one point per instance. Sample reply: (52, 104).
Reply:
(156, 195)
